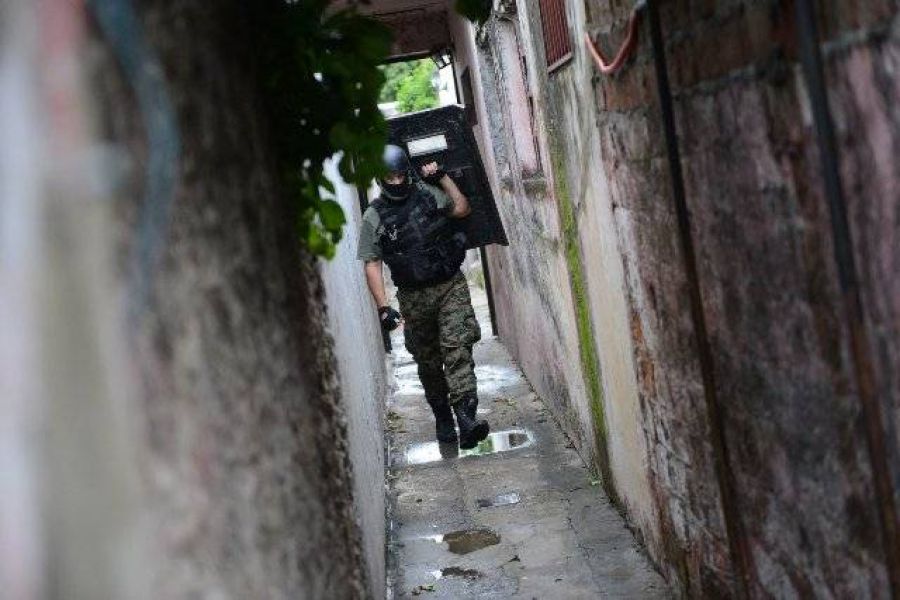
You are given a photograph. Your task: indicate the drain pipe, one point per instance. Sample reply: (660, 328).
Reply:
(860, 349)
(737, 540)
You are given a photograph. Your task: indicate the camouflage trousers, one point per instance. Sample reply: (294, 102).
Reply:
(440, 331)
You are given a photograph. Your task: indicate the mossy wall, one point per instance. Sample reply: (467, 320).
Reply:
(559, 286)
(587, 344)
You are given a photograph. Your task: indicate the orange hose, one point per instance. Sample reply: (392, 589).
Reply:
(608, 68)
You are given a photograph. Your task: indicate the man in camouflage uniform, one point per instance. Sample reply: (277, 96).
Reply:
(413, 227)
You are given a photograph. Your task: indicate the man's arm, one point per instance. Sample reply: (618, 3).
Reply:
(375, 281)
(461, 206)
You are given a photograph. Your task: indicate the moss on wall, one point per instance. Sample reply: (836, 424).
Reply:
(587, 348)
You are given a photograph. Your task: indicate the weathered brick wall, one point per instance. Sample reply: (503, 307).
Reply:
(244, 448)
(792, 421)
(862, 60)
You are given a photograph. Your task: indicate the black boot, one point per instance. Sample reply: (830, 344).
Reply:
(443, 421)
(471, 430)
(472, 407)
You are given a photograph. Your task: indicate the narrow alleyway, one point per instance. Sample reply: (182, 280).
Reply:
(517, 517)
(689, 219)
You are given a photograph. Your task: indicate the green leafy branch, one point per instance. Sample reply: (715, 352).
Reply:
(320, 77)
(319, 74)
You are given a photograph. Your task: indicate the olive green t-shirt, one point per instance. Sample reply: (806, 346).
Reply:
(369, 249)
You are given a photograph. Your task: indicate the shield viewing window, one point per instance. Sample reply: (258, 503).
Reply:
(427, 145)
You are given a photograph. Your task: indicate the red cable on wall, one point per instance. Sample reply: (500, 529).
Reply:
(628, 45)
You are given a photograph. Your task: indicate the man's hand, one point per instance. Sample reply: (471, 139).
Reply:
(390, 318)
(432, 173)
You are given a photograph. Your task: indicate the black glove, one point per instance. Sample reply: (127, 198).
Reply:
(435, 178)
(390, 318)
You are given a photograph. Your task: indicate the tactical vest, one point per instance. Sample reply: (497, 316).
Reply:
(420, 244)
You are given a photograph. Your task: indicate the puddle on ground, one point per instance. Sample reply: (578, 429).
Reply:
(428, 452)
(409, 388)
(499, 500)
(457, 572)
(500, 441)
(407, 381)
(492, 378)
(467, 540)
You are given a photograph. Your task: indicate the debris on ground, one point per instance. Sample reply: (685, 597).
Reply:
(423, 588)
(394, 422)
(505, 400)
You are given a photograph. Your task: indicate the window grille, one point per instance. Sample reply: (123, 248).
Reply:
(556, 33)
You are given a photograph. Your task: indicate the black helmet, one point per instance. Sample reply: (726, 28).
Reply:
(396, 161)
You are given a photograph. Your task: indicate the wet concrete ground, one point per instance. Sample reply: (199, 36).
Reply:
(517, 517)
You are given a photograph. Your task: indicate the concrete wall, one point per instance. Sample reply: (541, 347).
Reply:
(595, 274)
(353, 324)
(244, 448)
(171, 397)
(465, 53)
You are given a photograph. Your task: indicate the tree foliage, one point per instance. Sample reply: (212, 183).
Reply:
(416, 91)
(394, 75)
(321, 82)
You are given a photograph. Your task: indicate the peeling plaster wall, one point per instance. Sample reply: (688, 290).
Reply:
(71, 504)
(531, 277)
(568, 116)
(465, 53)
(559, 286)
(863, 66)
